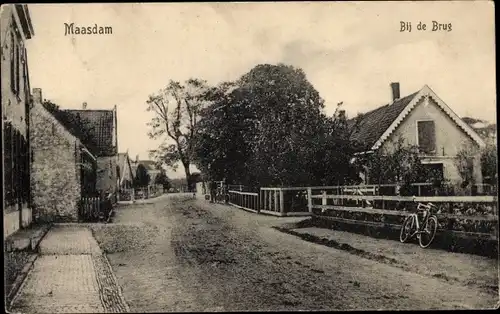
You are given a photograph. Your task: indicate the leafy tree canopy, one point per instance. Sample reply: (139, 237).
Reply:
(268, 129)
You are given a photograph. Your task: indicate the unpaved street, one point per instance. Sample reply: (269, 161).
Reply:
(180, 254)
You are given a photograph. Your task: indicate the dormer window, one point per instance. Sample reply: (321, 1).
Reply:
(426, 137)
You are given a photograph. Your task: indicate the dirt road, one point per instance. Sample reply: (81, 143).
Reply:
(179, 254)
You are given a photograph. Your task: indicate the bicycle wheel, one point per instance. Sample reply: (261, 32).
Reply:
(429, 232)
(407, 228)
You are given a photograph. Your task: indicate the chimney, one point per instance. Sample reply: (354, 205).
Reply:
(395, 91)
(37, 95)
(84, 106)
(136, 158)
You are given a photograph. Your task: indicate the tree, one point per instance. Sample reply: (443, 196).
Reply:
(464, 162)
(334, 151)
(400, 165)
(142, 177)
(268, 129)
(223, 135)
(163, 180)
(176, 115)
(489, 163)
(288, 119)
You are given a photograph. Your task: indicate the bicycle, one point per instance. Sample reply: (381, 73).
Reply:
(221, 196)
(427, 228)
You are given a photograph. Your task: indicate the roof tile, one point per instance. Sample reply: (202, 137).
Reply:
(371, 125)
(100, 124)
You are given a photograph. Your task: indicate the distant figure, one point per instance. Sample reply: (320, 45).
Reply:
(212, 188)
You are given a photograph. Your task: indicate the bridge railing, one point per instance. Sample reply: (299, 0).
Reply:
(245, 200)
(288, 201)
(467, 214)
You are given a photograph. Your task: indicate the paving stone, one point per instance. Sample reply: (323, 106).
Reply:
(70, 276)
(60, 283)
(69, 240)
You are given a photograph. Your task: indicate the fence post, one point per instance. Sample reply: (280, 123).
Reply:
(324, 198)
(261, 198)
(309, 200)
(282, 202)
(270, 195)
(275, 208)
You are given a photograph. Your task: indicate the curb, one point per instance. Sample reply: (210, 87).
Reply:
(35, 247)
(108, 265)
(32, 242)
(120, 291)
(20, 280)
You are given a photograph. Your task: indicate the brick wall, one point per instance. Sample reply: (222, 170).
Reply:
(55, 174)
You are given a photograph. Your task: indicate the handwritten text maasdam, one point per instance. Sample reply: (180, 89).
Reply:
(71, 29)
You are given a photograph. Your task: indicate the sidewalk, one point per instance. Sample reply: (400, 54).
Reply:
(466, 269)
(71, 275)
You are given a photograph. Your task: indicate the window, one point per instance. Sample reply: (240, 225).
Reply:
(12, 62)
(8, 158)
(426, 137)
(18, 63)
(15, 61)
(16, 161)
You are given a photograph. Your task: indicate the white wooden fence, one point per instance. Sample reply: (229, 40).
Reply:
(284, 201)
(349, 199)
(313, 201)
(245, 200)
(96, 208)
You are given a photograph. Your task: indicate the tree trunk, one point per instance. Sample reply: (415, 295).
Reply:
(188, 175)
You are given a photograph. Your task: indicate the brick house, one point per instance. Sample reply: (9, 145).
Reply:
(420, 119)
(62, 168)
(101, 125)
(16, 29)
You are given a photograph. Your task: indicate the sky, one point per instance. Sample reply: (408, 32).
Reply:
(350, 52)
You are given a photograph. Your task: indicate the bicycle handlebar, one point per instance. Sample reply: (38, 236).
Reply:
(427, 206)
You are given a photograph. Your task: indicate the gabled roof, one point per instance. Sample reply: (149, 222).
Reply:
(373, 128)
(372, 125)
(68, 134)
(101, 125)
(125, 167)
(148, 164)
